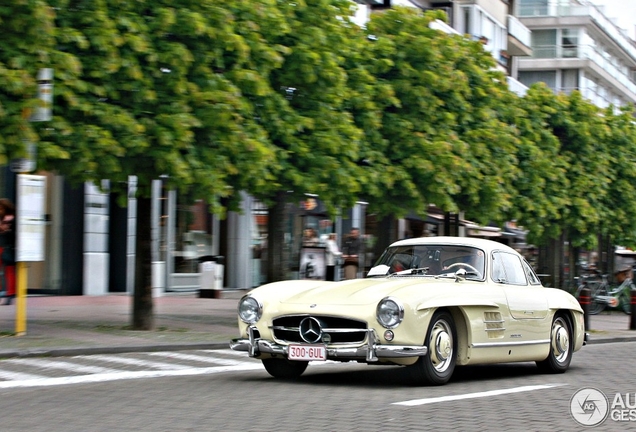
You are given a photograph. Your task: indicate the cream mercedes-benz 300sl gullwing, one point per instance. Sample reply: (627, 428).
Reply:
(429, 304)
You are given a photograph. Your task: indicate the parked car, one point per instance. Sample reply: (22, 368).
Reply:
(429, 304)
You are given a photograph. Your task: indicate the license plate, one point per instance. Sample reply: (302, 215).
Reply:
(307, 352)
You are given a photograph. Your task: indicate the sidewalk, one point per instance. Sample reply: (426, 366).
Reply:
(70, 325)
(77, 325)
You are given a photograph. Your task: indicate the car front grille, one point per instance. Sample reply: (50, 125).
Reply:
(335, 330)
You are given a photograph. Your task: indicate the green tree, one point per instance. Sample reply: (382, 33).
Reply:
(619, 222)
(155, 89)
(583, 136)
(305, 115)
(442, 138)
(27, 38)
(542, 188)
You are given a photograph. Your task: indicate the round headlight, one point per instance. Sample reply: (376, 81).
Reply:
(389, 313)
(249, 310)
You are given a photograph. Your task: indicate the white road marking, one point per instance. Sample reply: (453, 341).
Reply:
(134, 362)
(15, 376)
(198, 358)
(50, 364)
(490, 393)
(83, 379)
(228, 352)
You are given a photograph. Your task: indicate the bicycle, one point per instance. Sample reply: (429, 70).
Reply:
(618, 297)
(597, 288)
(602, 296)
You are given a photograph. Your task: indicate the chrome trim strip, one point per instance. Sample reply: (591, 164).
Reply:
(324, 329)
(495, 329)
(504, 344)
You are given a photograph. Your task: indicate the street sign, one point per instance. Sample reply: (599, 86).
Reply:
(45, 94)
(30, 217)
(26, 164)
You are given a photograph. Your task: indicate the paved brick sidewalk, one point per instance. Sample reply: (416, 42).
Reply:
(59, 325)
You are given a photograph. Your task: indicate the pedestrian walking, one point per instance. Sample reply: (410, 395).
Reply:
(333, 255)
(351, 254)
(7, 250)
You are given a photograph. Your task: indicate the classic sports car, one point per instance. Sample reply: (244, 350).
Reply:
(428, 304)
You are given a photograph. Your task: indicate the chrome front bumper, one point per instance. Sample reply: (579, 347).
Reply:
(370, 352)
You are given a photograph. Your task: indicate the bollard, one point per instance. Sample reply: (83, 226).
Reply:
(584, 300)
(632, 317)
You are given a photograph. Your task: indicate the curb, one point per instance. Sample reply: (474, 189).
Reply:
(73, 351)
(592, 341)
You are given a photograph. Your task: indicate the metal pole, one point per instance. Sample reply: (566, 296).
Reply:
(632, 317)
(21, 299)
(584, 301)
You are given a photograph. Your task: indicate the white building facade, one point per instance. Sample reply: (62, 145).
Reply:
(576, 47)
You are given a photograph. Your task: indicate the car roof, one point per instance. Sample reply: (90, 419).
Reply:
(486, 245)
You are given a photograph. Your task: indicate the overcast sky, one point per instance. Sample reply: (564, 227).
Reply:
(624, 11)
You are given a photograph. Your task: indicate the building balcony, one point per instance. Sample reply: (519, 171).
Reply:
(587, 57)
(555, 16)
(518, 38)
(516, 86)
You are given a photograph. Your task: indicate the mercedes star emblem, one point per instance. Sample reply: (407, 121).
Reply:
(310, 330)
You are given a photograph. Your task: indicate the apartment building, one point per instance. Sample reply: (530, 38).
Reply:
(576, 47)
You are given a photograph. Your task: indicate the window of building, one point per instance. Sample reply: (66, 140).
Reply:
(544, 43)
(530, 77)
(569, 80)
(570, 43)
(533, 7)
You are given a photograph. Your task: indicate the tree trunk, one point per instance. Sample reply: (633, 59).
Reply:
(275, 239)
(387, 234)
(142, 316)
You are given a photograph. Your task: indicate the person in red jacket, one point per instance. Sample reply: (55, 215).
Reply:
(7, 250)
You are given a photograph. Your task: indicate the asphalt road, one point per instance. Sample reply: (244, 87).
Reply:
(222, 390)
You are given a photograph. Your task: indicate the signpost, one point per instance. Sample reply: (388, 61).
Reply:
(30, 226)
(30, 201)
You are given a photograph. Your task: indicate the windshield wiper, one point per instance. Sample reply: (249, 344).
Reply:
(415, 271)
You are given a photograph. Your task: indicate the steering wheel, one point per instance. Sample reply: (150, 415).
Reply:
(468, 266)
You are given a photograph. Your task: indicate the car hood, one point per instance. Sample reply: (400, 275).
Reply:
(357, 292)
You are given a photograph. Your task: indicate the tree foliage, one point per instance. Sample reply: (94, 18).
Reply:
(441, 129)
(279, 99)
(541, 191)
(27, 40)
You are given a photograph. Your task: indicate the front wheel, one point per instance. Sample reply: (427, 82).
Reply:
(283, 368)
(561, 346)
(441, 339)
(596, 306)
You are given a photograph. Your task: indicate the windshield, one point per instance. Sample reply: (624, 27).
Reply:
(433, 260)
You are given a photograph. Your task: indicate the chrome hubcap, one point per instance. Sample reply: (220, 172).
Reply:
(560, 340)
(441, 342)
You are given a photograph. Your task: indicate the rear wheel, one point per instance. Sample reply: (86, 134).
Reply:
(283, 368)
(596, 306)
(441, 339)
(561, 346)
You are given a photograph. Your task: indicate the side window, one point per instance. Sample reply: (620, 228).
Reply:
(498, 272)
(532, 277)
(507, 268)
